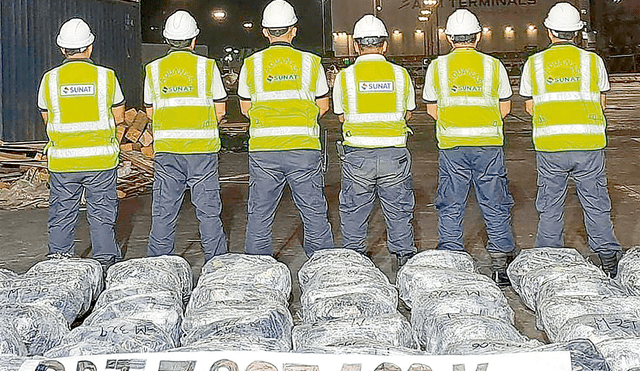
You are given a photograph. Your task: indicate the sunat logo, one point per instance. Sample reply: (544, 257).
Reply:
(177, 89)
(464, 88)
(75, 90)
(279, 78)
(562, 80)
(376, 87)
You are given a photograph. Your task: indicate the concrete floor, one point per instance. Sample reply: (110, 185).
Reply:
(23, 234)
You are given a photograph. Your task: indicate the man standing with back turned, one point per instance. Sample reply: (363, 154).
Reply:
(468, 93)
(185, 98)
(81, 103)
(564, 87)
(373, 99)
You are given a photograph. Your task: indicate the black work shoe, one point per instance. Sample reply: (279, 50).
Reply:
(403, 259)
(106, 264)
(610, 263)
(501, 279)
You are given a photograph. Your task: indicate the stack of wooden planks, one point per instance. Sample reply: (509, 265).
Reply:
(135, 133)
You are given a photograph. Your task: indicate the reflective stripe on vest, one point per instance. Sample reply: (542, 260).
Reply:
(468, 115)
(364, 128)
(71, 140)
(184, 124)
(283, 119)
(567, 114)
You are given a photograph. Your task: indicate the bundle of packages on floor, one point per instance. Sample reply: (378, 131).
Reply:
(62, 307)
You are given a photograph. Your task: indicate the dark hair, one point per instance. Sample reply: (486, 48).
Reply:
(565, 35)
(277, 32)
(371, 42)
(464, 39)
(179, 44)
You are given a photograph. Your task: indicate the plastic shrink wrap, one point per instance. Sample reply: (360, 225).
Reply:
(621, 354)
(384, 331)
(443, 331)
(10, 362)
(598, 327)
(331, 258)
(236, 343)
(553, 313)
(474, 347)
(414, 280)
(629, 271)
(6, 274)
(328, 277)
(265, 322)
(77, 269)
(120, 335)
(584, 355)
(444, 259)
(164, 309)
(240, 270)
(40, 327)
(371, 348)
(61, 298)
(577, 279)
(422, 314)
(167, 272)
(120, 292)
(364, 300)
(538, 258)
(10, 341)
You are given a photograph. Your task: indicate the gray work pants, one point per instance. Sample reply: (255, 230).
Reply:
(587, 168)
(385, 173)
(483, 167)
(269, 171)
(173, 174)
(102, 211)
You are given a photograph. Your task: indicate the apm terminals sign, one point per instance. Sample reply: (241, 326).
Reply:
(489, 3)
(267, 361)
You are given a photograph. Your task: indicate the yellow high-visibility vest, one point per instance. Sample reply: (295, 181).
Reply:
(81, 127)
(283, 113)
(567, 113)
(184, 115)
(375, 104)
(467, 84)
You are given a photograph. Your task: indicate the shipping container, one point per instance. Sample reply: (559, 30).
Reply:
(416, 27)
(28, 30)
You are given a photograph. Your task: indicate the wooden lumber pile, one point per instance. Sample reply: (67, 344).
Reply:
(135, 133)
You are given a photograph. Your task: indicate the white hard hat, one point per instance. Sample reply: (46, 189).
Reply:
(75, 34)
(369, 26)
(180, 26)
(462, 22)
(279, 14)
(563, 17)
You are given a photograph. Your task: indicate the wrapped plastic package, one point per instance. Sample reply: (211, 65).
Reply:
(87, 270)
(382, 331)
(164, 309)
(474, 347)
(241, 270)
(40, 327)
(598, 327)
(120, 292)
(6, 274)
(210, 294)
(65, 300)
(371, 348)
(553, 313)
(584, 355)
(444, 259)
(166, 272)
(538, 258)
(442, 332)
(354, 301)
(10, 362)
(266, 322)
(343, 276)
(233, 342)
(572, 278)
(621, 354)
(331, 258)
(414, 280)
(629, 271)
(422, 314)
(122, 335)
(10, 341)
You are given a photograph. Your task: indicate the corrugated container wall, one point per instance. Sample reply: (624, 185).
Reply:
(28, 30)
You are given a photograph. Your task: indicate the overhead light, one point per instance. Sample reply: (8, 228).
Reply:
(423, 18)
(425, 12)
(440, 29)
(486, 29)
(531, 27)
(247, 25)
(397, 32)
(430, 2)
(378, 8)
(219, 14)
(418, 32)
(508, 29)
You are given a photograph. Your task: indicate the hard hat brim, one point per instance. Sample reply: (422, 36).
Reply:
(169, 36)
(75, 45)
(564, 28)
